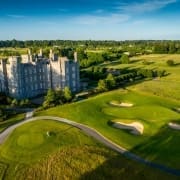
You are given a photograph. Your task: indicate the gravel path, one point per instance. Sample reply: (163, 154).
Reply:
(95, 134)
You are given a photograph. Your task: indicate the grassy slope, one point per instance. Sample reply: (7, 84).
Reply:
(154, 112)
(15, 119)
(68, 154)
(168, 86)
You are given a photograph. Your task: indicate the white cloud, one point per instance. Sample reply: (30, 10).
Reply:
(145, 6)
(108, 19)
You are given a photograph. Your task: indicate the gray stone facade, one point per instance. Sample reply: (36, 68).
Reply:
(28, 76)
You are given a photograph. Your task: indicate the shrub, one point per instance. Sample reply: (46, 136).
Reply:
(125, 59)
(170, 62)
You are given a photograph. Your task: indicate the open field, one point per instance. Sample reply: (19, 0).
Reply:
(12, 51)
(47, 150)
(168, 86)
(157, 141)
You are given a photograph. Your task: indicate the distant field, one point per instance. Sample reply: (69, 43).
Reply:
(168, 86)
(11, 51)
(64, 153)
(152, 111)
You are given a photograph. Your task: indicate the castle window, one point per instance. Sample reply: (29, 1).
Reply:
(73, 69)
(74, 75)
(74, 83)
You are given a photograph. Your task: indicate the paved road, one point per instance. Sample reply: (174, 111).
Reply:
(92, 132)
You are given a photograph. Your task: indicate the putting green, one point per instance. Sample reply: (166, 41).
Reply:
(31, 140)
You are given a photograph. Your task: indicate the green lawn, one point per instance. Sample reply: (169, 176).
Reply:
(30, 153)
(152, 111)
(68, 153)
(168, 86)
(12, 120)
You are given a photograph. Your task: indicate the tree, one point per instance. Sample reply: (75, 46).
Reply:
(161, 73)
(14, 102)
(110, 81)
(60, 97)
(125, 59)
(170, 62)
(50, 99)
(24, 102)
(3, 114)
(67, 94)
(149, 73)
(102, 86)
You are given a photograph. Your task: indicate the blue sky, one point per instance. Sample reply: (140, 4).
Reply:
(89, 19)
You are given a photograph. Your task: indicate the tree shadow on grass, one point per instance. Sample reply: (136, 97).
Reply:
(122, 168)
(161, 149)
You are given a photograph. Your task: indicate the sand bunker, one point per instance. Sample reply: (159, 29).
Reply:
(135, 127)
(121, 104)
(174, 126)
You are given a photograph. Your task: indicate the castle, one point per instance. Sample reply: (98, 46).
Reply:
(30, 75)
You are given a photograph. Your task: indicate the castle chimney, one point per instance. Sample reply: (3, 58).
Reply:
(29, 52)
(75, 57)
(40, 53)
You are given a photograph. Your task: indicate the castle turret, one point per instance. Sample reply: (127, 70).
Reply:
(53, 56)
(40, 53)
(29, 51)
(75, 57)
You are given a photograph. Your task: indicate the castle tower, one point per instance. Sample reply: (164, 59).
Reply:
(29, 51)
(75, 57)
(30, 55)
(51, 54)
(40, 53)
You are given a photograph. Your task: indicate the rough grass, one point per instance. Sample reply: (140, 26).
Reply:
(3, 168)
(152, 111)
(8, 122)
(68, 154)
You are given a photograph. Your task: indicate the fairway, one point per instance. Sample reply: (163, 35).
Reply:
(65, 152)
(152, 103)
(153, 112)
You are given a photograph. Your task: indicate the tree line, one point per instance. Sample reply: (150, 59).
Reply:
(136, 46)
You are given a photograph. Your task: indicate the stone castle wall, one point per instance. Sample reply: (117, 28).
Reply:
(25, 77)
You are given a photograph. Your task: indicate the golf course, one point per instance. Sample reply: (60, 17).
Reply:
(138, 117)
(152, 107)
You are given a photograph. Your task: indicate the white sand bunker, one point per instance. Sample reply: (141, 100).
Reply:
(121, 104)
(135, 127)
(174, 126)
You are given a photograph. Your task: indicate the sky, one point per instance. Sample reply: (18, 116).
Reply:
(90, 19)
